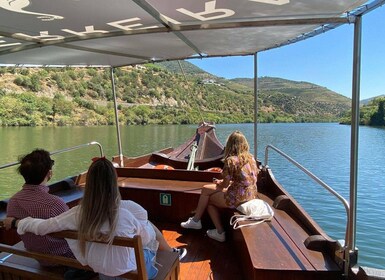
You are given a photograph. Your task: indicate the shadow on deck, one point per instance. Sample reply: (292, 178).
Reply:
(206, 258)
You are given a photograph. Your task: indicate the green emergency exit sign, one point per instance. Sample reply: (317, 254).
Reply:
(165, 199)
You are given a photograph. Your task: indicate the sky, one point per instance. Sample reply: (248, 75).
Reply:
(325, 60)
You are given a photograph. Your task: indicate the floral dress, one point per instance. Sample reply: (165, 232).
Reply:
(243, 181)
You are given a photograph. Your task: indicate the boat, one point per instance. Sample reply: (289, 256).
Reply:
(170, 195)
(202, 151)
(168, 182)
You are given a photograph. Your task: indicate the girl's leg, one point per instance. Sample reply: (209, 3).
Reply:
(216, 201)
(207, 191)
(215, 217)
(163, 245)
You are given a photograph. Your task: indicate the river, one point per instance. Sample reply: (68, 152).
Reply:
(324, 149)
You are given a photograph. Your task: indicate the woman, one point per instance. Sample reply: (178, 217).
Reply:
(239, 184)
(102, 214)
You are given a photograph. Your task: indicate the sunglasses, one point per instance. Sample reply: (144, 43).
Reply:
(52, 162)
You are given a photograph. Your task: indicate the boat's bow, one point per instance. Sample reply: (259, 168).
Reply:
(200, 152)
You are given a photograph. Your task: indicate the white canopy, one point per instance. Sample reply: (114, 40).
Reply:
(122, 32)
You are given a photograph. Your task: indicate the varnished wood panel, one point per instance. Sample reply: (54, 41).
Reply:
(184, 197)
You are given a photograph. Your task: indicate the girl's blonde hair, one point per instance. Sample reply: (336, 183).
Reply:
(100, 203)
(237, 145)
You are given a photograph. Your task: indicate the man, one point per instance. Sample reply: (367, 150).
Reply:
(33, 200)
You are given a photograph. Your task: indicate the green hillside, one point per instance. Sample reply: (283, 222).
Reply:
(156, 94)
(369, 100)
(299, 98)
(187, 67)
(372, 113)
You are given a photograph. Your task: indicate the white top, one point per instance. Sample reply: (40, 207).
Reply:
(106, 259)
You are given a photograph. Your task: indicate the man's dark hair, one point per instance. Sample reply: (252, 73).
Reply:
(35, 166)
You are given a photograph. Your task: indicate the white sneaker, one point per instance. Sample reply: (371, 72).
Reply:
(190, 223)
(213, 233)
(182, 252)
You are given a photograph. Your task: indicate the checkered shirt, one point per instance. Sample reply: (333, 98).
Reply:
(35, 201)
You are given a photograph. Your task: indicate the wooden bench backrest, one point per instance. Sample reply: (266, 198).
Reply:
(135, 242)
(81, 179)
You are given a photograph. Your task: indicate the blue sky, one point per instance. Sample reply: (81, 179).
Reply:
(325, 60)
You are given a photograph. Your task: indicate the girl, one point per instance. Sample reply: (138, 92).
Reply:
(239, 184)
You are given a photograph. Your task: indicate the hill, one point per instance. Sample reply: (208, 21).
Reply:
(369, 100)
(176, 67)
(156, 93)
(372, 113)
(299, 98)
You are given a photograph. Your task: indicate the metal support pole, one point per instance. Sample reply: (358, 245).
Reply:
(355, 121)
(116, 118)
(255, 105)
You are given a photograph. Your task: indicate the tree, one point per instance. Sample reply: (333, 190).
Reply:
(377, 119)
(61, 107)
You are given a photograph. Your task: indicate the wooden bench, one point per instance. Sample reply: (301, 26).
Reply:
(18, 263)
(282, 247)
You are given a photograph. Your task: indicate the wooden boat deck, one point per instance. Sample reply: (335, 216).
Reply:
(274, 250)
(206, 258)
(267, 251)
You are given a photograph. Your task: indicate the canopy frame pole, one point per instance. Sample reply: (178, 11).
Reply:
(255, 105)
(351, 252)
(117, 118)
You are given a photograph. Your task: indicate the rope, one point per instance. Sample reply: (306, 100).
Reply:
(191, 160)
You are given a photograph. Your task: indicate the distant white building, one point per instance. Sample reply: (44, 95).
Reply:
(140, 67)
(209, 82)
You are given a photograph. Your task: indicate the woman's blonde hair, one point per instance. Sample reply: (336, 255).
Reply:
(100, 203)
(237, 145)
